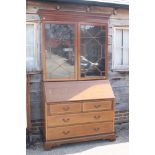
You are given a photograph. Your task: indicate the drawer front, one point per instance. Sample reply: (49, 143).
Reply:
(79, 130)
(62, 108)
(62, 120)
(97, 105)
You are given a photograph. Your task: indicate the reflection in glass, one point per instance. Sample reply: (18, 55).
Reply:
(59, 50)
(92, 50)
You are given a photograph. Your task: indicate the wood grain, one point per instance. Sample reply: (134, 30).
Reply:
(97, 105)
(52, 15)
(88, 117)
(79, 130)
(64, 108)
(78, 90)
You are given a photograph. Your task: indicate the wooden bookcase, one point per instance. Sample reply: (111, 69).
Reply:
(78, 98)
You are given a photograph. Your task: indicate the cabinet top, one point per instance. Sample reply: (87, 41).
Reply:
(77, 90)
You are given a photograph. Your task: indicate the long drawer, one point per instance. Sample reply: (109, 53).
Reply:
(79, 130)
(88, 117)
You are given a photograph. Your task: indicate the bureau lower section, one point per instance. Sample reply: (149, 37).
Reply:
(68, 122)
(83, 111)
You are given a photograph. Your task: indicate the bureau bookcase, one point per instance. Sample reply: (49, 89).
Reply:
(78, 101)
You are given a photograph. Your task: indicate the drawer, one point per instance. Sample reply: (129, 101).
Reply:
(63, 108)
(62, 120)
(97, 105)
(79, 130)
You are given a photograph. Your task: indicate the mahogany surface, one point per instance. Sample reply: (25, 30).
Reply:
(78, 90)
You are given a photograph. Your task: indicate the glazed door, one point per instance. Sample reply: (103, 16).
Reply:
(60, 51)
(92, 51)
(74, 51)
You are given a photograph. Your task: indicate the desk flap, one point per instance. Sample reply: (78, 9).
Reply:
(77, 90)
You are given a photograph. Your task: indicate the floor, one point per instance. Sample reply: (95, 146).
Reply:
(98, 147)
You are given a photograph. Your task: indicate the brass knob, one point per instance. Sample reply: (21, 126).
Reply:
(96, 129)
(66, 132)
(97, 116)
(97, 106)
(66, 108)
(66, 120)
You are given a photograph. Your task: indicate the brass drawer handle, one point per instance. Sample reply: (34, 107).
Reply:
(66, 120)
(96, 129)
(97, 116)
(66, 108)
(97, 106)
(66, 132)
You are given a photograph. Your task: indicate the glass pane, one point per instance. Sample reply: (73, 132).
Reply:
(119, 47)
(118, 57)
(92, 50)
(126, 57)
(30, 61)
(126, 38)
(59, 50)
(118, 39)
(125, 47)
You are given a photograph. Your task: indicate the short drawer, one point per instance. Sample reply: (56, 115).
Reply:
(68, 119)
(79, 130)
(63, 108)
(97, 105)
